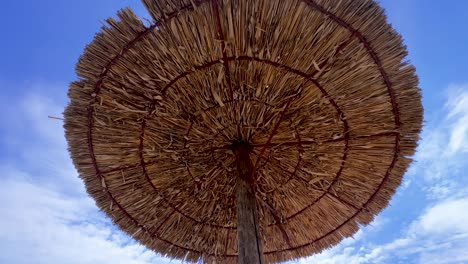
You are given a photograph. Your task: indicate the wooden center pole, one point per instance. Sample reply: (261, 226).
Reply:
(248, 235)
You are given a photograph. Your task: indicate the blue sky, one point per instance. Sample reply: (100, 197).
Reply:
(46, 216)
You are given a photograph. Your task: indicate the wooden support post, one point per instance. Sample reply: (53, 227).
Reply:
(248, 235)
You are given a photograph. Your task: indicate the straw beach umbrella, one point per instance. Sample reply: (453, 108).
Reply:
(247, 131)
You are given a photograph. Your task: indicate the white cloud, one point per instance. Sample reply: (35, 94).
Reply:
(443, 150)
(458, 111)
(49, 214)
(442, 230)
(440, 233)
(447, 217)
(36, 143)
(349, 251)
(450, 254)
(41, 226)
(35, 109)
(46, 215)
(336, 255)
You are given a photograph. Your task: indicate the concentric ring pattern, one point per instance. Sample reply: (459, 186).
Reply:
(320, 89)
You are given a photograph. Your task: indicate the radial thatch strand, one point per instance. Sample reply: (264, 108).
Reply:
(319, 88)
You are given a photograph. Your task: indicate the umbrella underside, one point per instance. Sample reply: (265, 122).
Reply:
(318, 90)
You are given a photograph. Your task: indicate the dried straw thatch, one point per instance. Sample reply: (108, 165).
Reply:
(319, 88)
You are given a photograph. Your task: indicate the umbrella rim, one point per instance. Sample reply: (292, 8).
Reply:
(356, 34)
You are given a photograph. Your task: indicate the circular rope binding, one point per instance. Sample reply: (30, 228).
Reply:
(318, 89)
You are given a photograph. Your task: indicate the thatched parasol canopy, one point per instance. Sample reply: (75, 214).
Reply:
(309, 103)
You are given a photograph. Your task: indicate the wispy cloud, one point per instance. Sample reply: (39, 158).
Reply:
(457, 105)
(440, 233)
(444, 218)
(443, 151)
(440, 173)
(49, 213)
(47, 216)
(42, 226)
(33, 142)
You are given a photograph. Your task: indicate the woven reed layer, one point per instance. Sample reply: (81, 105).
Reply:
(320, 89)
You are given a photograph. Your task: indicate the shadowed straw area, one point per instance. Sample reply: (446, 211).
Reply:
(319, 89)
